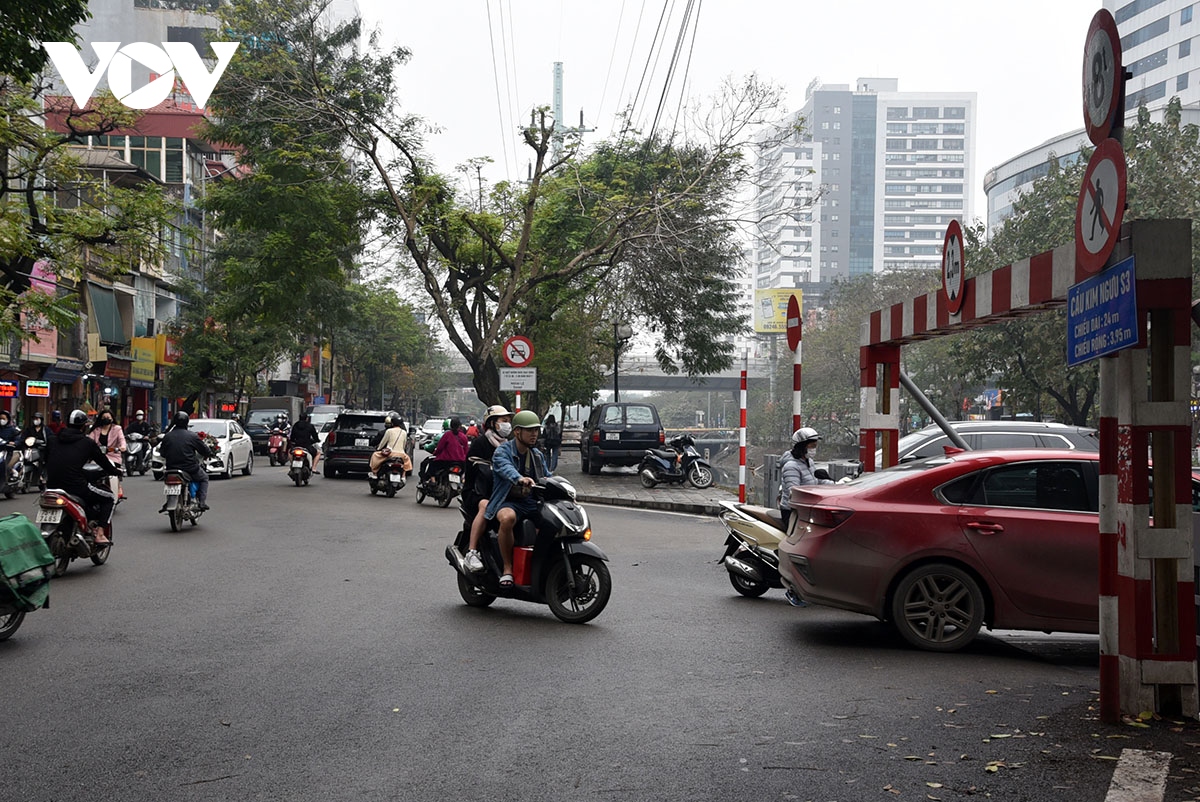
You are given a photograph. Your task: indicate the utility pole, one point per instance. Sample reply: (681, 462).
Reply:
(560, 128)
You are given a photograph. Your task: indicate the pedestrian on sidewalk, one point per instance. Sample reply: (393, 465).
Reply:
(552, 439)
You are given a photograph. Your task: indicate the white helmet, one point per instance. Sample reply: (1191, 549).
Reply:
(805, 434)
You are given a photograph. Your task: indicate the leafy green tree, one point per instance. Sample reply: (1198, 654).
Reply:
(594, 224)
(54, 212)
(29, 23)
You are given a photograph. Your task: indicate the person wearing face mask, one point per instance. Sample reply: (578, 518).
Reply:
(8, 438)
(477, 482)
(798, 469)
(40, 435)
(139, 425)
(111, 439)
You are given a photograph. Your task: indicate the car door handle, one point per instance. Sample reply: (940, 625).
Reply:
(986, 527)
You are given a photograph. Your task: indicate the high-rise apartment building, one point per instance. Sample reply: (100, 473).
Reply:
(869, 182)
(1156, 47)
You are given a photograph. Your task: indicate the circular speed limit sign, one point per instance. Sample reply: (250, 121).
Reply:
(1102, 76)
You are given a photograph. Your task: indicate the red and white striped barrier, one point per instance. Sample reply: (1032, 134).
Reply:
(742, 445)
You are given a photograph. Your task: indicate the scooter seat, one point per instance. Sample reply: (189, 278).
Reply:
(663, 453)
(768, 515)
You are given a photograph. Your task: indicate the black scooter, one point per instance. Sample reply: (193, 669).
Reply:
(554, 560)
(675, 465)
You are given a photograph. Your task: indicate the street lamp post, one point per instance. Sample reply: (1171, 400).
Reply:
(621, 334)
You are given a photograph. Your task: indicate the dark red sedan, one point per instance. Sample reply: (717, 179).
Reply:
(943, 546)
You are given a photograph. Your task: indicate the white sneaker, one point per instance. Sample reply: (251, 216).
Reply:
(473, 561)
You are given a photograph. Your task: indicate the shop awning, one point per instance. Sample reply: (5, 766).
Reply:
(108, 316)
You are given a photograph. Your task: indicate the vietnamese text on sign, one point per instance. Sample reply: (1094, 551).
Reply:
(1102, 314)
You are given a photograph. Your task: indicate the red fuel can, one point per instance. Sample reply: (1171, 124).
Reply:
(522, 565)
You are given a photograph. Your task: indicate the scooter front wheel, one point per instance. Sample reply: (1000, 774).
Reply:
(100, 556)
(593, 586)
(10, 623)
(474, 596)
(701, 476)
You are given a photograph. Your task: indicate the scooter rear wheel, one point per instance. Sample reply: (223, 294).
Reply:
(445, 500)
(593, 586)
(390, 489)
(647, 481)
(176, 516)
(61, 564)
(748, 587)
(475, 597)
(10, 623)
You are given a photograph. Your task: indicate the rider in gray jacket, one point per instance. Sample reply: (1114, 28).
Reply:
(797, 469)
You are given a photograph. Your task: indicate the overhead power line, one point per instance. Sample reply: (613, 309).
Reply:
(499, 104)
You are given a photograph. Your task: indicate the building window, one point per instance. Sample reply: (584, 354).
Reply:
(1145, 33)
(825, 126)
(1181, 83)
(1185, 48)
(837, 109)
(1185, 16)
(956, 112)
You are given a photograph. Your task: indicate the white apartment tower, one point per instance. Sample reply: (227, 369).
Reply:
(870, 183)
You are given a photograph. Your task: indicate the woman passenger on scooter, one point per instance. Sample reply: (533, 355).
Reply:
(798, 469)
(109, 436)
(516, 467)
(477, 487)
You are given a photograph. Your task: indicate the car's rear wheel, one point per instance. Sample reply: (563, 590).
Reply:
(592, 466)
(938, 607)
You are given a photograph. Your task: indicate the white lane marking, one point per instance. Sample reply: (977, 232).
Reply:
(1141, 776)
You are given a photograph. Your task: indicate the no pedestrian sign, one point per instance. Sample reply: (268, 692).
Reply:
(1101, 206)
(1102, 314)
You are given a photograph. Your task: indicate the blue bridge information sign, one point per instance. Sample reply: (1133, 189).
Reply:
(1102, 314)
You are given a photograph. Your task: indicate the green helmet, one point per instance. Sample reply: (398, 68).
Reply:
(445, 424)
(526, 419)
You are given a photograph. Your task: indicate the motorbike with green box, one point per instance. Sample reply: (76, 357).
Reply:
(26, 566)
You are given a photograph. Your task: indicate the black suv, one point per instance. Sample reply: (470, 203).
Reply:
(353, 439)
(619, 434)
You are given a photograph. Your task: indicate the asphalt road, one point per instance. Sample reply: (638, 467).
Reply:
(310, 644)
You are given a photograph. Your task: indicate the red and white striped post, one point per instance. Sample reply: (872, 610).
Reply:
(742, 445)
(795, 330)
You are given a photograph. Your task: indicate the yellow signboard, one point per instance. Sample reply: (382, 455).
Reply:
(770, 309)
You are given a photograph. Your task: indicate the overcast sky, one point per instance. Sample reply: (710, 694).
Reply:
(1022, 57)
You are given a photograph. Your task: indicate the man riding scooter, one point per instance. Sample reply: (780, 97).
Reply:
(183, 450)
(304, 435)
(516, 467)
(66, 455)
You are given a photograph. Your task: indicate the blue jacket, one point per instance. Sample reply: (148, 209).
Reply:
(506, 471)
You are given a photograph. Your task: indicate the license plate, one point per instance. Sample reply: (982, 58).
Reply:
(396, 478)
(173, 490)
(49, 516)
(455, 480)
(297, 463)
(612, 435)
(362, 442)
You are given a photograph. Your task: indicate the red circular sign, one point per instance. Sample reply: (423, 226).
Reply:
(1103, 76)
(518, 351)
(953, 267)
(794, 324)
(1101, 206)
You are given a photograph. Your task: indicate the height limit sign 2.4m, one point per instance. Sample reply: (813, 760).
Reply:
(1102, 314)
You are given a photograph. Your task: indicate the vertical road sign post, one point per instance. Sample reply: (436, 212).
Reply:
(794, 337)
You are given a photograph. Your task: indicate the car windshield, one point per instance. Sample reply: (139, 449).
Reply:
(432, 425)
(214, 427)
(323, 419)
(264, 416)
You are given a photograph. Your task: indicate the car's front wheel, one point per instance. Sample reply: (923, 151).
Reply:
(938, 607)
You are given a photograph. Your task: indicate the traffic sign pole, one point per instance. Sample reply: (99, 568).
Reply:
(795, 330)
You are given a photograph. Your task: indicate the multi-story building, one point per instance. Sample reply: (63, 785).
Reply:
(1156, 47)
(868, 182)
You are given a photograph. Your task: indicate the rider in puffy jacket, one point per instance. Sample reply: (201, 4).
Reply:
(798, 469)
(304, 435)
(66, 455)
(183, 450)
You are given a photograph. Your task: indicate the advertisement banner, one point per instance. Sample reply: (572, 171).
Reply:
(166, 350)
(42, 345)
(770, 309)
